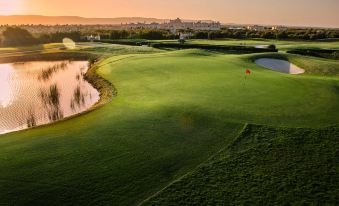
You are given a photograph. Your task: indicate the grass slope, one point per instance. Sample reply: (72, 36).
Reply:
(115, 49)
(264, 166)
(215, 84)
(104, 158)
(172, 111)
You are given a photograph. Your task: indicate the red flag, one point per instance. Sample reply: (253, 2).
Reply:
(248, 72)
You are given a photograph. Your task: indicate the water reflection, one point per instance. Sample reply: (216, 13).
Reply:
(31, 122)
(78, 99)
(5, 89)
(51, 101)
(46, 73)
(40, 92)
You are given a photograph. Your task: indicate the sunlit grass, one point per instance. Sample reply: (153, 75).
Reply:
(173, 110)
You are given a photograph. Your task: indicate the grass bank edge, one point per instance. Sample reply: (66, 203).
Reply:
(215, 155)
(245, 136)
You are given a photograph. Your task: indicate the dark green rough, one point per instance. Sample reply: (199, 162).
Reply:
(264, 166)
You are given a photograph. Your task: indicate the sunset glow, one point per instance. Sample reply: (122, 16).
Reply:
(10, 7)
(169, 102)
(288, 12)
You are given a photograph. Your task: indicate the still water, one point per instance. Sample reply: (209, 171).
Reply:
(40, 92)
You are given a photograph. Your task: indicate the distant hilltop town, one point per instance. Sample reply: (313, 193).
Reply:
(169, 29)
(171, 25)
(175, 25)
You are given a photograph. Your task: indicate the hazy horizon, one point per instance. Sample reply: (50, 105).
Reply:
(292, 13)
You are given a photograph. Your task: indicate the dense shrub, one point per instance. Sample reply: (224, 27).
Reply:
(150, 34)
(59, 36)
(322, 53)
(222, 48)
(15, 36)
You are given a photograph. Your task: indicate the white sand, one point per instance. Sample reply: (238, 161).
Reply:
(279, 65)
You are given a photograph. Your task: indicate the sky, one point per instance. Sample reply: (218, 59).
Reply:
(279, 12)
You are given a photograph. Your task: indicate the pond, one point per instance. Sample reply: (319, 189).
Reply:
(40, 92)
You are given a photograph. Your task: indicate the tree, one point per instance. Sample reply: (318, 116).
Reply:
(239, 34)
(59, 36)
(115, 34)
(272, 46)
(201, 35)
(267, 35)
(15, 36)
(281, 35)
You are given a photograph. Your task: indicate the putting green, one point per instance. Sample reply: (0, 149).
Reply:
(172, 112)
(216, 84)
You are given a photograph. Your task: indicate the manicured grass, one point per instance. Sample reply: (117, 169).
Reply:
(264, 166)
(172, 111)
(106, 156)
(115, 49)
(102, 49)
(26, 48)
(216, 84)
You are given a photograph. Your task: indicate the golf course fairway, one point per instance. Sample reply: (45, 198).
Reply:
(173, 111)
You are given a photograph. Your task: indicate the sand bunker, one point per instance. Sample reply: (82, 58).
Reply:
(279, 65)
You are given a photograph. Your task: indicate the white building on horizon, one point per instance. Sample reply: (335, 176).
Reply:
(93, 38)
(175, 25)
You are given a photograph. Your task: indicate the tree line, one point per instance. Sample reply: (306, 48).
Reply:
(292, 34)
(16, 36)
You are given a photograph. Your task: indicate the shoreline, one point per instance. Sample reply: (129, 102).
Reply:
(106, 89)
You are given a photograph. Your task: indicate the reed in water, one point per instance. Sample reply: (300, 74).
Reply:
(51, 100)
(47, 73)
